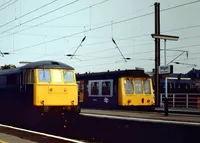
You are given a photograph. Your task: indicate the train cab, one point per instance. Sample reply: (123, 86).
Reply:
(135, 91)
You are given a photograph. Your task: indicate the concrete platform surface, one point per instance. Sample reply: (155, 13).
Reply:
(9, 134)
(181, 110)
(145, 115)
(6, 138)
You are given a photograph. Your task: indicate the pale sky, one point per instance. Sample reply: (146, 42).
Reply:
(50, 29)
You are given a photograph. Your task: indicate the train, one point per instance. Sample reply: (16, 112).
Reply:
(38, 91)
(119, 89)
(43, 90)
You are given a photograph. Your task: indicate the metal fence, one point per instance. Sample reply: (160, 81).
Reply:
(182, 100)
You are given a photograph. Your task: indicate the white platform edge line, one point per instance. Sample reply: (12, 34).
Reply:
(43, 134)
(142, 119)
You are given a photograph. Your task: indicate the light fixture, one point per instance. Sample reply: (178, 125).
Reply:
(165, 37)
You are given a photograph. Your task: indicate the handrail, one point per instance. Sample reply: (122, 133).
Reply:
(185, 100)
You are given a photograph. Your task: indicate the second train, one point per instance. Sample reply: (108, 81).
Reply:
(116, 90)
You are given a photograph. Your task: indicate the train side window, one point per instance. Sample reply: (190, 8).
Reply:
(94, 88)
(106, 88)
(68, 76)
(138, 86)
(44, 75)
(128, 86)
(147, 87)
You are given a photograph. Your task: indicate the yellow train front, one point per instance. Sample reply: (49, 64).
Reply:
(116, 89)
(39, 90)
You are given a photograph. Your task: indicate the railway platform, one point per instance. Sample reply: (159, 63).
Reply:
(9, 134)
(180, 110)
(6, 138)
(144, 116)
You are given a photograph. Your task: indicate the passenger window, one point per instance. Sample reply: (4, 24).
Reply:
(44, 75)
(128, 86)
(138, 86)
(68, 76)
(106, 88)
(94, 88)
(56, 75)
(147, 87)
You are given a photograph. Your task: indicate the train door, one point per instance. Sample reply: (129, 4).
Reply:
(26, 87)
(22, 94)
(29, 86)
(81, 90)
(22, 82)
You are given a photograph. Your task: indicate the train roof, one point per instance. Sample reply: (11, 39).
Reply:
(10, 71)
(119, 73)
(38, 64)
(46, 64)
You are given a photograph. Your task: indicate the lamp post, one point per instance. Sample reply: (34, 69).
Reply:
(172, 38)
